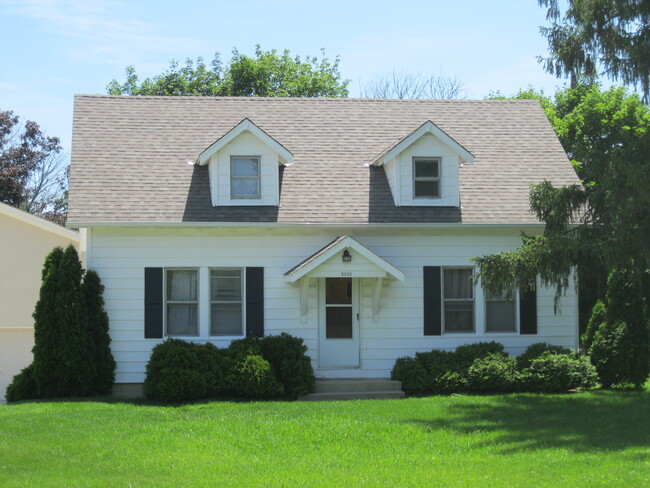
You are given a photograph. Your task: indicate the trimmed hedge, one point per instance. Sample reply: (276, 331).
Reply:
(484, 368)
(268, 367)
(536, 350)
(557, 373)
(495, 373)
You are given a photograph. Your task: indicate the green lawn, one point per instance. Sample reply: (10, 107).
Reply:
(587, 439)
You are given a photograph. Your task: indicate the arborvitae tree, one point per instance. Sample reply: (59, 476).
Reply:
(72, 354)
(47, 334)
(97, 328)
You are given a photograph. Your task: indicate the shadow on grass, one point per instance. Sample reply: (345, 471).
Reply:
(596, 421)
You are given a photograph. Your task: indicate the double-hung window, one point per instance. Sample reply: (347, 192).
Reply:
(501, 312)
(245, 177)
(226, 302)
(426, 177)
(182, 302)
(458, 294)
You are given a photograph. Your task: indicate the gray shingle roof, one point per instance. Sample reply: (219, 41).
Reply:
(130, 154)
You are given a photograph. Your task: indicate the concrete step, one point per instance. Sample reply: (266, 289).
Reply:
(355, 389)
(350, 395)
(356, 385)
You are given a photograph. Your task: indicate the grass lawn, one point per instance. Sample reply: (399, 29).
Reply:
(588, 439)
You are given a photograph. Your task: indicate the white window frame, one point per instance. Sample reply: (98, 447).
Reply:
(258, 178)
(445, 300)
(515, 294)
(173, 302)
(242, 301)
(438, 161)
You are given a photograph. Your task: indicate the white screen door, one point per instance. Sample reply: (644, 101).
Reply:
(339, 323)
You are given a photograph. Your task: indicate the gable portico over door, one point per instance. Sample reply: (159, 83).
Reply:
(337, 270)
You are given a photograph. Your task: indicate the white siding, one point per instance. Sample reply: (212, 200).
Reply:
(246, 144)
(120, 255)
(399, 172)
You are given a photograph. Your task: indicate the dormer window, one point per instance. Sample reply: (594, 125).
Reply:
(245, 177)
(426, 177)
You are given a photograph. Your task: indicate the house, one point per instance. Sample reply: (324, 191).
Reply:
(25, 240)
(347, 222)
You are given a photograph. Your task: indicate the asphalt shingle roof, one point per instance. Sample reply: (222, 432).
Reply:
(130, 154)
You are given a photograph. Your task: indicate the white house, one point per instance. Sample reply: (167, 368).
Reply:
(349, 223)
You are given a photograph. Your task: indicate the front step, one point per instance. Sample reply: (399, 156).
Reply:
(355, 389)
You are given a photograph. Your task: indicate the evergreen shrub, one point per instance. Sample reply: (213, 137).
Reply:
(255, 378)
(292, 367)
(23, 386)
(536, 350)
(558, 373)
(411, 372)
(494, 373)
(177, 371)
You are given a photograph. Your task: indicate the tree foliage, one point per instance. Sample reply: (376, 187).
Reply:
(266, 74)
(403, 85)
(601, 227)
(603, 222)
(33, 171)
(592, 34)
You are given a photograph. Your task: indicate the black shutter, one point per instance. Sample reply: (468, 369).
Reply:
(153, 303)
(528, 312)
(255, 302)
(432, 301)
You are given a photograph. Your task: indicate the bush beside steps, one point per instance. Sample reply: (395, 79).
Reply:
(485, 368)
(251, 368)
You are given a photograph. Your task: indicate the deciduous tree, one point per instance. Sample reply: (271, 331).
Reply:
(266, 74)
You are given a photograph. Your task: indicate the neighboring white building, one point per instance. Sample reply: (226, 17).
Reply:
(349, 223)
(25, 240)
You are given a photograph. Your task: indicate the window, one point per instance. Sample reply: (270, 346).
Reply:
(500, 312)
(182, 302)
(426, 177)
(458, 300)
(245, 177)
(226, 302)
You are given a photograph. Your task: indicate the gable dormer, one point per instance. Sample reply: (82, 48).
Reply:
(423, 168)
(244, 166)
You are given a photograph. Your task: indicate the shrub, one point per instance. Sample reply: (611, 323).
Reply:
(494, 373)
(465, 355)
(255, 378)
(609, 353)
(411, 372)
(625, 334)
(180, 371)
(291, 365)
(557, 373)
(23, 386)
(536, 350)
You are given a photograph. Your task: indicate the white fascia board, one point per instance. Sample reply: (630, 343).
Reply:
(39, 222)
(245, 125)
(427, 128)
(347, 243)
(313, 225)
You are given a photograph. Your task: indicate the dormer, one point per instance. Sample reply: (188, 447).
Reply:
(423, 168)
(244, 166)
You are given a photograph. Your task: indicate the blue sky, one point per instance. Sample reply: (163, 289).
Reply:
(54, 49)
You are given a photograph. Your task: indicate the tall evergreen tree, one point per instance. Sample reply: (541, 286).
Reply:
(72, 355)
(97, 328)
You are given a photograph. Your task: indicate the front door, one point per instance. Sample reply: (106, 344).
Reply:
(338, 335)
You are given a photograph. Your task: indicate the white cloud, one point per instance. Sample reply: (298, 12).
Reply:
(102, 30)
